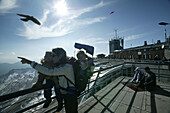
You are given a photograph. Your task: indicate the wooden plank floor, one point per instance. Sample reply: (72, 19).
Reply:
(118, 98)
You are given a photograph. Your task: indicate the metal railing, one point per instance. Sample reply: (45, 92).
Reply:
(124, 69)
(161, 70)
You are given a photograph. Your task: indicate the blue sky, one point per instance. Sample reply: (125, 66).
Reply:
(65, 22)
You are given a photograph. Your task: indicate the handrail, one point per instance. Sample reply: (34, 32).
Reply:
(103, 69)
(82, 94)
(151, 63)
(86, 91)
(19, 93)
(30, 90)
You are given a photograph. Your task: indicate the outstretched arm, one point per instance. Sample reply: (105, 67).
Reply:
(25, 61)
(61, 70)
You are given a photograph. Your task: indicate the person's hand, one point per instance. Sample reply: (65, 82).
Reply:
(36, 84)
(24, 60)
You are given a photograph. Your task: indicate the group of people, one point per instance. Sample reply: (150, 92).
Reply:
(60, 74)
(145, 80)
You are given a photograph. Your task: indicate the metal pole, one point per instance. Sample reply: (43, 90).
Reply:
(158, 71)
(165, 35)
(122, 69)
(164, 23)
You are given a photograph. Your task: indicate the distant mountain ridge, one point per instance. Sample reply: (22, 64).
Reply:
(6, 67)
(16, 80)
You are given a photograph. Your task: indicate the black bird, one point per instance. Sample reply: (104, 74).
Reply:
(112, 12)
(27, 17)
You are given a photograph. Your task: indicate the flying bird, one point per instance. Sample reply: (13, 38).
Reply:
(112, 12)
(27, 17)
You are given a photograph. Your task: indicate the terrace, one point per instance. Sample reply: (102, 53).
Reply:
(108, 91)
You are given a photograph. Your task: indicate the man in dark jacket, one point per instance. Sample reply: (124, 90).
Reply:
(150, 79)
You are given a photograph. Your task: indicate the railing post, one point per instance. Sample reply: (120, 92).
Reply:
(159, 71)
(122, 69)
(126, 71)
(132, 70)
(96, 79)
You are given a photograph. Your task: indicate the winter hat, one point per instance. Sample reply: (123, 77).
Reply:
(139, 69)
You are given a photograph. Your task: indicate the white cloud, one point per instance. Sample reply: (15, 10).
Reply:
(44, 18)
(79, 12)
(62, 26)
(7, 5)
(99, 41)
(133, 37)
(92, 40)
(13, 53)
(1, 53)
(91, 20)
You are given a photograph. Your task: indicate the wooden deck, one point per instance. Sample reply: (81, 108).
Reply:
(118, 98)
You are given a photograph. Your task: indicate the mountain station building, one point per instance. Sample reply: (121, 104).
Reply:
(157, 51)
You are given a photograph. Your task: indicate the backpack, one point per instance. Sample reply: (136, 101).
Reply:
(81, 76)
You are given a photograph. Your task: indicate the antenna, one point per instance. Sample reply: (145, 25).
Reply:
(116, 33)
(165, 35)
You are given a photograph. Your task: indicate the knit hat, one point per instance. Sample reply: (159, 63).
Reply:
(138, 68)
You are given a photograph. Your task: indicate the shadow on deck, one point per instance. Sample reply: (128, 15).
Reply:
(118, 98)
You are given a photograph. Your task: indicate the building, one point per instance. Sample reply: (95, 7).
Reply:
(115, 44)
(146, 52)
(101, 56)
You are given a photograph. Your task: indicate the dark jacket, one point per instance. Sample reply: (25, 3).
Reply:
(150, 79)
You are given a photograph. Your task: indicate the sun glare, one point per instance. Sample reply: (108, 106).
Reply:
(61, 8)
